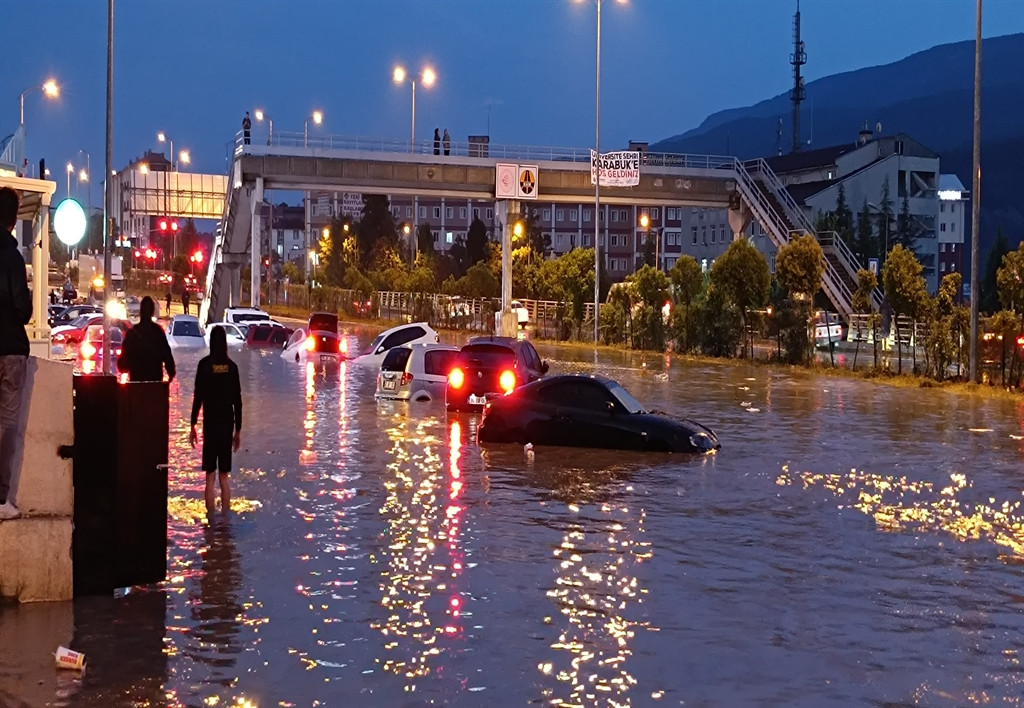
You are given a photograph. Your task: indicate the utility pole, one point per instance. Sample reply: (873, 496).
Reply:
(976, 199)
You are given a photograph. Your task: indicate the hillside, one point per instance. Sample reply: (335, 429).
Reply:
(928, 95)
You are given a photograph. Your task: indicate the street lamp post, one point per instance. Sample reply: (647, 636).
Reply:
(260, 115)
(318, 118)
(84, 176)
(50, 90)
(70, 170)
(428, 77)
(162, 137)
(976, 199)
(597, 180)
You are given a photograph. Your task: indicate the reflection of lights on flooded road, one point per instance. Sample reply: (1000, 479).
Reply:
(419, 592)
(596, 591)
(899, 504)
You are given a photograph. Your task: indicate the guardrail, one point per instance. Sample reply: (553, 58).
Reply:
(349, 143)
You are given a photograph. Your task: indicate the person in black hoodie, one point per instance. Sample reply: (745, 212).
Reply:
(218, 392)
(146, 352)
(15, 312)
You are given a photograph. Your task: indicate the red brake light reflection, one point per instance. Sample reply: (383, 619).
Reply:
(456, 378)
(310, 343)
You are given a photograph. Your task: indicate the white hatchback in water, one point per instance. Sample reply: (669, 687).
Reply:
(415, 333)
(184, 332)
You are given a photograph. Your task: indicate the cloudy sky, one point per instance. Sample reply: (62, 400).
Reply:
(193, 67)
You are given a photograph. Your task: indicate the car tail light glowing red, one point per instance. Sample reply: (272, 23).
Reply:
(457, 378)
(310, 343)
(87, 350)
(406, 378)
(507, 380)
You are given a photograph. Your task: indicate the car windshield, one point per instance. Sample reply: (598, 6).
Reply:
(628, 402)
(250, 316)
(186, 328)
(489, 355)
(374, 344)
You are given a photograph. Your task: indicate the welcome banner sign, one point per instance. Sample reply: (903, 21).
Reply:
(618, 169)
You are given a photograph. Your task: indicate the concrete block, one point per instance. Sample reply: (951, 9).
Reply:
(42, 482)
(29, 635)
(35, 559)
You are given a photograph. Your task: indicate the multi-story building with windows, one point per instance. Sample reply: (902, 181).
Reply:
(954, 201)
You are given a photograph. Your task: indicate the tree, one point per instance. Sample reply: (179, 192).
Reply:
(942, 333)
(476, 242)
(687, 280)
(866, 284)
(188, 238)
(332, 250)
(799, 267)
(478, 281)
(376, 224)
(867, 245)
(425, 241)
(844, 217)
(293, 273)
(576, 273)
(652, 291)
(1010, 281)
(989, 293)
(904, 288)
(743, 276)
(1004, 324)
(650, 249)
(885, 220)
(905, 232)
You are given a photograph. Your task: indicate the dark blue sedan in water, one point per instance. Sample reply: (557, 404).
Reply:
(577, 410)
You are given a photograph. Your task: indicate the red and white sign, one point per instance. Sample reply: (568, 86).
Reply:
(506, 181)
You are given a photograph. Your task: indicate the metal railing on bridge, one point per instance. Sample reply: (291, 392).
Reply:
(287, 141)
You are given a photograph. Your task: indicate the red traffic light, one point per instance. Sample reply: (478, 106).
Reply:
(174, 226)
(197, 256)
(163, 224)
(1020, 341)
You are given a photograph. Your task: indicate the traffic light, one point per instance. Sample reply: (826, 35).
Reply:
(168, 225)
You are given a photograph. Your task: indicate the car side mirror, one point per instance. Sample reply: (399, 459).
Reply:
(380, 349)
(544, 367)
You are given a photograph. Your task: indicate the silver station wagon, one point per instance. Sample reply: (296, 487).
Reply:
(416, 372)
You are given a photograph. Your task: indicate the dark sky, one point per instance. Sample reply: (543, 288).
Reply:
(193, 67)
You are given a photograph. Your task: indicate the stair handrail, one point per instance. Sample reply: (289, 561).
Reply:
(757, 200)
(217, 254)
(779, 191)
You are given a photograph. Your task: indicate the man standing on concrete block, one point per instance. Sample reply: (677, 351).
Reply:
(15, 312)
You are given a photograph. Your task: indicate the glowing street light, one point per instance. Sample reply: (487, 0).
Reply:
(318, 118)
(428, 78)
(49, 89)
(260, 117)
(185, 156)
(143, 168)
(70, 170)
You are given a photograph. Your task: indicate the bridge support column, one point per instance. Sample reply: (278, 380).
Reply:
(507, 213)
(234, 276)
(739, 220)
(255, 231)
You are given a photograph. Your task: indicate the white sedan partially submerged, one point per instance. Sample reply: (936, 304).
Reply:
(184, 332)
(318, 341)
(235, 333)
(415, 333)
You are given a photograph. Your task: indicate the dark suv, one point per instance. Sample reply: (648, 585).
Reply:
(491, 366)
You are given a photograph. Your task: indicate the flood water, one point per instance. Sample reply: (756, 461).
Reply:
(851, 545)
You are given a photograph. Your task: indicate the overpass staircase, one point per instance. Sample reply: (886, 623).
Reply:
(231, 252)
(783, 219)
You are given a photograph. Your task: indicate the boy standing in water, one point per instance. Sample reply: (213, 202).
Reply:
(219, 393)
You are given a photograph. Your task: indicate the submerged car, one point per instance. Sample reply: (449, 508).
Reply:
(416, 372)
(267, 335)
(235, 333)
(491, 366)
(90, 353)
(69, 314)
(64, 338)
(184, 332)
(317, 341)
(415, 333)
(578, 410)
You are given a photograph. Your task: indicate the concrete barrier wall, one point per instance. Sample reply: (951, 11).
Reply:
(35, 550)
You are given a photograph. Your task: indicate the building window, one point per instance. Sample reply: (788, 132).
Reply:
(942, 267)
(558, 240)
(423, 212)
(574, 215)
(942, 227)
(449, 237)
(693, 231)
(942, 248)
(952, 267)
(942, 206)
(476, 212)
(952, 227)
(615, 239)
(586, 240)
(602, 239)
(586, 215)
(547, 215)
(615, 214)
(654, 213)
(490, 214)
(449, 212)
(436, 236)
(462, 213)
(560, 215)
(622, 264)
(952, 248)
(624, 216)
(437, 212)
(704, 235)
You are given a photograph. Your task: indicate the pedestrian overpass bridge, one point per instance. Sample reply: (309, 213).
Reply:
(749, 190)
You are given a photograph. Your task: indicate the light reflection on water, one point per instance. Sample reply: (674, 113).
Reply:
(851, 544)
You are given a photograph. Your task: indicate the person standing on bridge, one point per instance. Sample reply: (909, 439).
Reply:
(146, 353)
(15, 312)
(218, 392)
(437, 141)
(246, 128)
(447, 143)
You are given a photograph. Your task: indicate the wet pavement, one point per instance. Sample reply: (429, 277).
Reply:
(851, 544)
